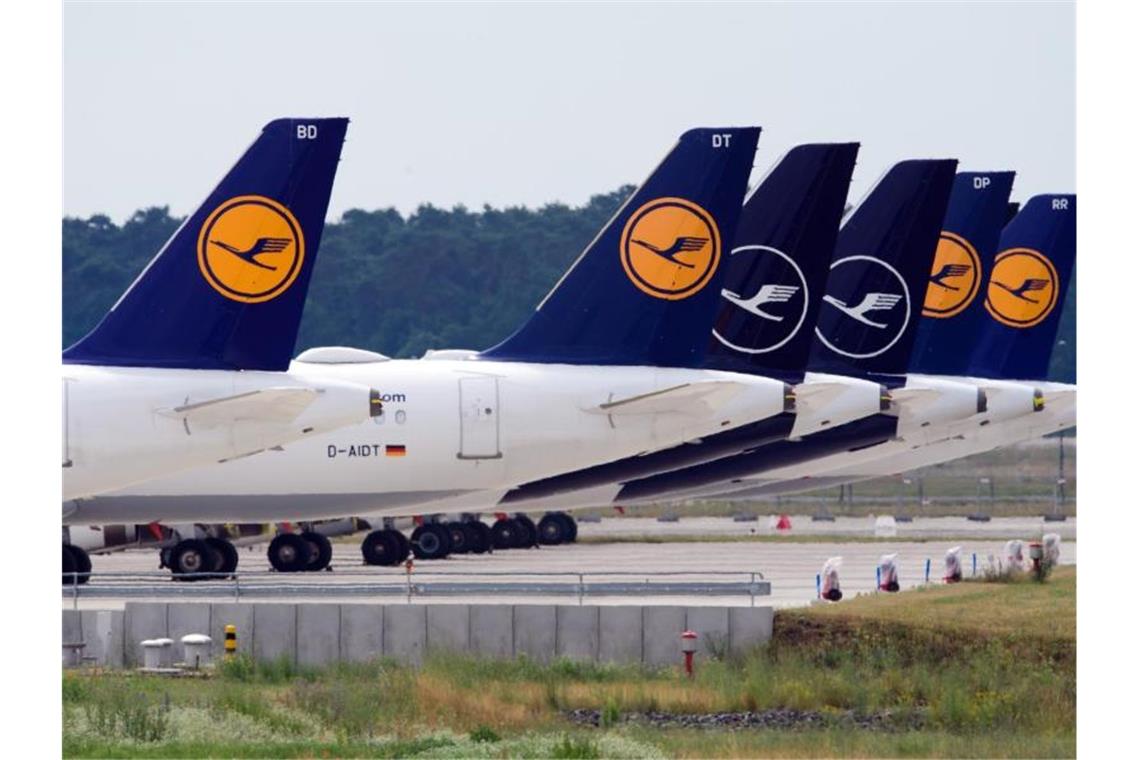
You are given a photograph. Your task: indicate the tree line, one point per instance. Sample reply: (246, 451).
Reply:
(397, 284)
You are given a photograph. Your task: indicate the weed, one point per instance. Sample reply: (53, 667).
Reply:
(575, 748)
(483, 734)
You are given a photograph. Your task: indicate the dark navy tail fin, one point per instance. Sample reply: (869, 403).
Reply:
(227, 290)
(952, 312)
(1011, 210)
(645, 291)
(878, 274)
(1026, 290)
(778, 265)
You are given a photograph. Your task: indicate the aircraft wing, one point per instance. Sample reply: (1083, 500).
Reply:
(269, 405)
(700, 397)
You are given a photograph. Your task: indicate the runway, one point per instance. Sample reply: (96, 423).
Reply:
(790, 566)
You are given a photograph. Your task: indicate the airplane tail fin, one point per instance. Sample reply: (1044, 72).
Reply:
(952, 311)
(778, 265)
(227, 290)
(645, 291)
(1026, 290)
(878, 274)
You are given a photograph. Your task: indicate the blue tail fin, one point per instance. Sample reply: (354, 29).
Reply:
(227, 290)
(952, 312)
(645, 291)
(878, 274)
(778, 266)
(1026, 290)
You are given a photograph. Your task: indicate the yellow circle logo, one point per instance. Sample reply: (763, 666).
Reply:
(250, 249)
(670, 248)
(955, 277)
(1022, 289)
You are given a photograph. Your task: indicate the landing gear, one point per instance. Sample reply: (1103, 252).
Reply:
(506, 533)
(431, 541)
(458, 536)
(76, 565)
(289, 553)
(190, 557)
(225, 556)
(386, 547)
(320, 550)
(529, 531)
(478, 536)
(555, 528)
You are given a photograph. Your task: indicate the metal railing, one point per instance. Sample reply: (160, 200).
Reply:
(375, 582)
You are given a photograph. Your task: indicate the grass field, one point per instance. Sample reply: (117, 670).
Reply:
(973, 670)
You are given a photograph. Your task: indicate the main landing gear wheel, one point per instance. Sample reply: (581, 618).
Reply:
(458, 536)
(572, 524)
(225, 556)
(75, 560)
(529, 531)
(384, 547)
(478, 536)
(553, 529)
(321, 550)
(431, 541)
(505, 534)
(289, 553)
(189, 557)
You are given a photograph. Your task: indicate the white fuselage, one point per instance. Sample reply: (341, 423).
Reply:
(452, 431)
(1014, 414)
(924, 405)
(121, 425)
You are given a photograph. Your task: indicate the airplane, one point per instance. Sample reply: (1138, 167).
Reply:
(885, 246)
(797, 208)
(1007, 357)
(189, 367)
(610, 365)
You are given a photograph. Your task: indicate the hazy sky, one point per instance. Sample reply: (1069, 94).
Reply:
(526, 104)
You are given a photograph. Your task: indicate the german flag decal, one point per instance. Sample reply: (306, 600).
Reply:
(396, 451)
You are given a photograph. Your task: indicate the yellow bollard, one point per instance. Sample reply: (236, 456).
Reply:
(231, 640)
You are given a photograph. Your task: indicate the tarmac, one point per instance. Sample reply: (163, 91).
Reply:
(790, 566)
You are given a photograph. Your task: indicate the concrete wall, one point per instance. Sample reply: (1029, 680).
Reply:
(320, 634)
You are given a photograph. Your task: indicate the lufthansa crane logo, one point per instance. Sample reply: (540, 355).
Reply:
(250, 249)
(955, 277)
(670, 248)
(770, 317)
(1022, 290)
(870, 309)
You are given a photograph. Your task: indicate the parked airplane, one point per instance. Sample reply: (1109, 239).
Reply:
(883, 249)
(609, 365)
(1002, 343)
(155, 388)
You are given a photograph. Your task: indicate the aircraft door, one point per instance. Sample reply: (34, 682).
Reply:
(479, 418)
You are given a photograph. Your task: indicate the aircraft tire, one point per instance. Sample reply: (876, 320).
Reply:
(191, 556)
(431, 541)
(322, 550)
(458, 536)
(478, 536)
(552, 530)
(505, 534)
(289, 553)
(383, 548)
(76, 560)
(225, 554)
(529, 531)
(572, 527)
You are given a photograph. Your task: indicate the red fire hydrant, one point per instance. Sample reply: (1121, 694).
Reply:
(689, 647)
